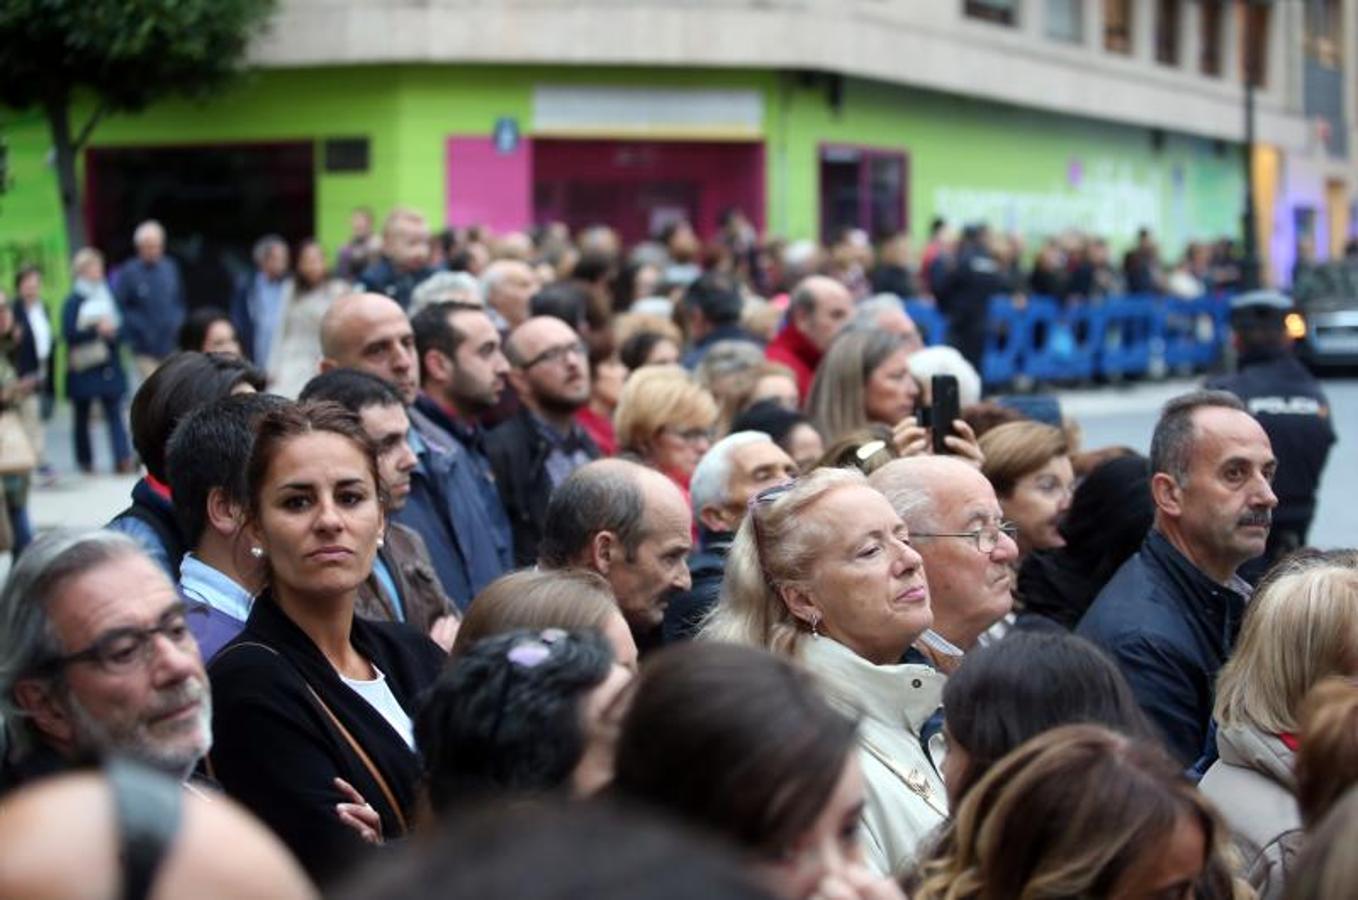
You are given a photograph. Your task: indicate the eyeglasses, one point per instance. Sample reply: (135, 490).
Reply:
(986, 538)
(690, 435)
(558, 354)
(126, 649)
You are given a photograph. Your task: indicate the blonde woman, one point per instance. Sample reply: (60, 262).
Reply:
(665, 421)
(1080, 811)
(822, 572)
(865, 379)
(1300, 627)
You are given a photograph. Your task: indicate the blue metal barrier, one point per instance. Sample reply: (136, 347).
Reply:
(932, 323)
(1007, 338)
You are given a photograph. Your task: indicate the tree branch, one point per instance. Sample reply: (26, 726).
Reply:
(99, 112)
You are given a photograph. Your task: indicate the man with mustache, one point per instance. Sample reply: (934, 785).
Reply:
(1171, 614)
(96, 658)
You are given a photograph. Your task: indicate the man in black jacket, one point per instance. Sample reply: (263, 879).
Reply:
(1171, 614)
(737, 467)
(1290, 405)
(537, 449)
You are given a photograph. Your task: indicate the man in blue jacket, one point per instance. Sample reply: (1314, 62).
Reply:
(1171, 614)
(151, 294)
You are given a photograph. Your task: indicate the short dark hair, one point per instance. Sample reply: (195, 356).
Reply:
(26, 270)
(181, 384)
(434, 328)
(717, 296)
(1172, 442)
(351, 389)
(492, 726)
(594, 498)
(564, 300)
(198, 323)
(210, 448)
(1031, 682)
(772, 747)
(770, 417)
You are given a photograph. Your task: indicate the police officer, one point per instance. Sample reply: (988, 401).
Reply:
(1291, 407)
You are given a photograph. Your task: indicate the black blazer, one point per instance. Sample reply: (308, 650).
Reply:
(518, 455)
(276, 751)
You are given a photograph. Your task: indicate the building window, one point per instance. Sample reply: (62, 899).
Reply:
(1001, 12)
(861, 188)
(1254, 42)
(1324, 26)
(1209, 24)
(1167, 32)
(1065, 21)
(1117, 26)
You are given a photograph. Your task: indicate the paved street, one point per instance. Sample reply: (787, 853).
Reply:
(1108, 415)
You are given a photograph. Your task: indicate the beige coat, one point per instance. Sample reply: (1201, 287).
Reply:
(1253, 787)
(905, 796)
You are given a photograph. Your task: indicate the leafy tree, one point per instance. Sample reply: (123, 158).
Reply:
(123, 54)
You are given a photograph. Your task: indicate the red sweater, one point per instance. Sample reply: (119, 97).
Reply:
(795, 350)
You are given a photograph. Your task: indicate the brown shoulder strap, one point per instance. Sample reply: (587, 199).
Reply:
(363, 756)
(339, 726)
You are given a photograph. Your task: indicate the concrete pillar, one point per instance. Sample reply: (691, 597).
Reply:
(1143, 29)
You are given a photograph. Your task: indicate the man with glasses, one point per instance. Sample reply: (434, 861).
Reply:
(97, 657)
(956, 525)
(541, 445)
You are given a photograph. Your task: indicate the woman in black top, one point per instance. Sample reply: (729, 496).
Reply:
(309, 697)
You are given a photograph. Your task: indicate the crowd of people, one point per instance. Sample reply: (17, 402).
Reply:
(524, 566)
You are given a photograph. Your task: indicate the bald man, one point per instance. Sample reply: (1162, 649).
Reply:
(630, 524)
(538, 448)
(370, 333)
(71, 836)
(954, 519)
(819, 308)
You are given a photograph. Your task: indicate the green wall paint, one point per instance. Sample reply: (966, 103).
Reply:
(967, 158)
(1021, 170)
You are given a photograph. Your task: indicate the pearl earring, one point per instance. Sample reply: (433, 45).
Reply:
(381, 543)
(257, 552)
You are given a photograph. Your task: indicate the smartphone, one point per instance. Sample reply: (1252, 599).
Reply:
(945, 409)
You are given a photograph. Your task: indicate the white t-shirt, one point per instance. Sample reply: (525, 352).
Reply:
(379, 696)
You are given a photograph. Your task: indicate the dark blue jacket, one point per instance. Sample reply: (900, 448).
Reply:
(444, 508)
(152, 299)
(1170, 628)
(687, 609)
(26, 360)
(150, 521)
(106, 380)
(382, 278)
(441, 430)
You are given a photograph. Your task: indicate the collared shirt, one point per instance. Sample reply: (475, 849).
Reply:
(389, 585)
(567, 451)
(206, 584)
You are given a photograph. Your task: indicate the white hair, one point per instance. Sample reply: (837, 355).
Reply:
(712, 478)
(866, 313)
(461, 287)
(146, 230)
(800, 254)
(944, 360)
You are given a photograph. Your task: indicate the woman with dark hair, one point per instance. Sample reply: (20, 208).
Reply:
(789, 429)
(1109, 516)
(1081, 811)
(739, 743)
(307, 294)
(1008, 692)
(522, 713)
(310, 701)
(648, 348)
(209, 330)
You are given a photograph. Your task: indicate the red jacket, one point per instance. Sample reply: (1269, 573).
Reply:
(794, 349)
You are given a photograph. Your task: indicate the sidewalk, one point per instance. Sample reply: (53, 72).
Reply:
(77, 500)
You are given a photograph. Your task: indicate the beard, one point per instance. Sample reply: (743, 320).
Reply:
(471, 396)
(133, 737)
